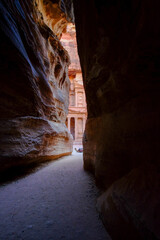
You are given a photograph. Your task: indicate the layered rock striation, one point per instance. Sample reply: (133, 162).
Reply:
(69, 42)
(34, 86)
(119, 48)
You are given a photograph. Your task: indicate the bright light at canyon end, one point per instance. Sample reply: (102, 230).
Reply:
(77, 103)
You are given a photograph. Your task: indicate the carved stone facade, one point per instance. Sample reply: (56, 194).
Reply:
(76, 118)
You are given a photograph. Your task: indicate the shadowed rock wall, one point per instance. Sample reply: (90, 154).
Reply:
(34, 86)
(119, 48)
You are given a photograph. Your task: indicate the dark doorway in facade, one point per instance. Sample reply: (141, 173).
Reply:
(72, 127)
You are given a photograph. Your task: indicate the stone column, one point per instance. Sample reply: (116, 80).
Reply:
(76, 133)
(84, 102)
(84, 120)
(76, 98)
(69, 123)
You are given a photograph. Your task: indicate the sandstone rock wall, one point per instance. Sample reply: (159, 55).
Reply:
(34, 86)
(119, 48)
(69, 42)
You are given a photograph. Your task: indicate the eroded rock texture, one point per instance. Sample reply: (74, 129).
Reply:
(34, 84)
(119, 47)
(69, 42)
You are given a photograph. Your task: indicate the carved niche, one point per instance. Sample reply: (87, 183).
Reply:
(80, 99)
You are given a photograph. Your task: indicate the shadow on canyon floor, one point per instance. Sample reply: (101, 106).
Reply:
(21, 170)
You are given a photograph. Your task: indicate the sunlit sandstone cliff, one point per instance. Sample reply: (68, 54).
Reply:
(69, 42)
(34, 84)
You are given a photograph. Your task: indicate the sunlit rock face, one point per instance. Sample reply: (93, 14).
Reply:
(34, 84)
(69, 42)
(119, 47)
(53, 16)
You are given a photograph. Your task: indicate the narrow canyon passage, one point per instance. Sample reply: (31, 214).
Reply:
(56, 202)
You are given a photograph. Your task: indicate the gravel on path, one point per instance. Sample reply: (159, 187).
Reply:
(56, 202)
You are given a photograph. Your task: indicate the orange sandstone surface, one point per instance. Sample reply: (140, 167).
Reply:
(77, 103)
(35, 86)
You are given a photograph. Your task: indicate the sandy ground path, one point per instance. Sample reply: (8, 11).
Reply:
(56, 202)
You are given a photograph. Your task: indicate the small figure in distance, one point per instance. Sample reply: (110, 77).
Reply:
(79, 150)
